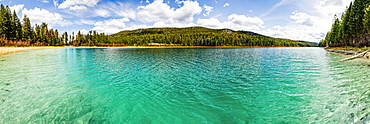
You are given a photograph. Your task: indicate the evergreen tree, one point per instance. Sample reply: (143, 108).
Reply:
(44, 33)
(65, 38)
(367, 20)
(2, 21)
(18, 27)
(7, 23)
(37, 33)
(26, 28)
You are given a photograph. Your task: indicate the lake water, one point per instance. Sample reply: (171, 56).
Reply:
(183, 85)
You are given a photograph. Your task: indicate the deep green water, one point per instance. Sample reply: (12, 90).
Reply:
(183, 85)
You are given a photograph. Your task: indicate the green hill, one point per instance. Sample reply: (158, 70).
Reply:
(199, 36)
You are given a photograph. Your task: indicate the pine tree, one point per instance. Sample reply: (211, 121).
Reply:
(65, 38)
(7, 23)
(26, 28)
(367, 20)
(357, 18)
(37, 34)
(44, 33)
(78, 38)
(18, 27)
(2, 20)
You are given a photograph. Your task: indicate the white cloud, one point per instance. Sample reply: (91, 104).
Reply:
(295, 32)
(162, 12)
(55, 2)
(120, 9)
(303, 18)
(38, 15)
(329, 8)
(212, 22)
(69, 3)
(84, 21)
(310, 23)
(17, 8)
(226, 4)
(44, 1)
(244, 20)
(235, 22)
(78, 8)
(208, 10)
(102, 12)
(111, 26)
(83, 31)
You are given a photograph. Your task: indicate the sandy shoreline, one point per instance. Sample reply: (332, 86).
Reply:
(8, 50)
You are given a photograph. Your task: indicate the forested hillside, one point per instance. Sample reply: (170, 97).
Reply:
(352, 28)
(199, 36)
(17, 32)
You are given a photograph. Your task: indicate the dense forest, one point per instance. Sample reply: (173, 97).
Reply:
(199, 36)
(16, 32)
(352, 29)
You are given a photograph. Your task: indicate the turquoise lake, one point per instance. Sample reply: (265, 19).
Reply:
(183, 86)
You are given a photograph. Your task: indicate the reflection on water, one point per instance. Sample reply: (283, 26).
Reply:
(183, 85)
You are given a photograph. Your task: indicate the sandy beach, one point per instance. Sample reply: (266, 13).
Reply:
(8, 50)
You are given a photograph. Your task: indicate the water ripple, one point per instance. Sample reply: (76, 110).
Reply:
(182, 85)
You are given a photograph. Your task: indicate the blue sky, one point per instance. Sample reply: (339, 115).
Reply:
(294, 19)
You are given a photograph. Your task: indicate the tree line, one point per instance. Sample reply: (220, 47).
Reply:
(16, 32)
(200, 36)
(352, 28)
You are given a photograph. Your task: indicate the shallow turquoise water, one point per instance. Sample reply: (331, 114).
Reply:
(183, 85)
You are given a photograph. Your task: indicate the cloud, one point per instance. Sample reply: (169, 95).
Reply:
(84, 21)
(226, 4)
(17, 8)
(84, 31)
(55, 2)
(111, 26)
(102, 12)
(44, 1)
(281, 3)
(235, 22)
(38, 15)
(78, 8)
(159, 11)
(208, 10)
(69, 3)
(295, 32)
(120, 9)
(212, 22)
(303, 18)
(244, 20)
(329, 8)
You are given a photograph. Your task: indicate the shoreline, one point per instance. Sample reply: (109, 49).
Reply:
(9, 50)
(349, 51)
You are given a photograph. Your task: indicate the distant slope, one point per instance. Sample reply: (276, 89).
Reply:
(199, 36)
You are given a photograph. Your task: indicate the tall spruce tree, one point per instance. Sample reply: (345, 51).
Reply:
(17, 26)
(6, 23)
(26, 29)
